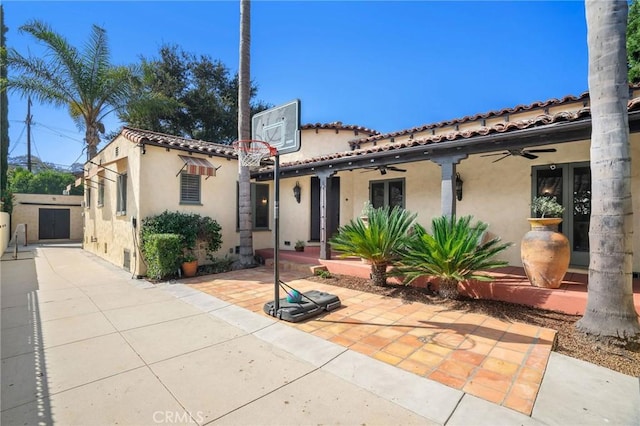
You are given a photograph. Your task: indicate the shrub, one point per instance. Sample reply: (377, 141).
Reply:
(190, 227)
(376, 239)
(453, 252)
(163, 253)
(323, 273)
(218, 265)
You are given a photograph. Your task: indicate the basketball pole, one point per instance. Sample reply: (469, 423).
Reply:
(276, 232)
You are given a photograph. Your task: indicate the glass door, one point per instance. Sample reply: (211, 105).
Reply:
(571, 185)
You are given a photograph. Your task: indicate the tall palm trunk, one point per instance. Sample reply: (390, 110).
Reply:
(92, 140)
(610, 310)
(244, 133)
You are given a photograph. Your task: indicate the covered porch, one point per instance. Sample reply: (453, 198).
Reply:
(510, 284)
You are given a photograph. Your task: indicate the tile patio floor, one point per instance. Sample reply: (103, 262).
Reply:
(495, 360)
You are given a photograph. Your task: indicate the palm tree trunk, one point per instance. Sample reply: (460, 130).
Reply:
(92, 139)
(610, 310)
(448, 289)
(244, 133)
(379, 274)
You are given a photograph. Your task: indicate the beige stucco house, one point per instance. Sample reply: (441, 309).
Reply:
(489, 158)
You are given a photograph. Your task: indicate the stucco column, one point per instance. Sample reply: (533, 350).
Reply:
(325, 201)
(448, 184)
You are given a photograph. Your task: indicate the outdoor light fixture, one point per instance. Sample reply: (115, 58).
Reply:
(296, 192)
(459, 183)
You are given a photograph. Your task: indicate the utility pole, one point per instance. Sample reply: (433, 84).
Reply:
(29, 134)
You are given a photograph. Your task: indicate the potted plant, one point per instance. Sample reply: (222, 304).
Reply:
(299, 245)
(545, 252)
(189, 264)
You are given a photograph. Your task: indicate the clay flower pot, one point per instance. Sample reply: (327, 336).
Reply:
(545, 253)
(189, 269)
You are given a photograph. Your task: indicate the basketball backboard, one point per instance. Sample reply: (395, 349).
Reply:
(279, 127)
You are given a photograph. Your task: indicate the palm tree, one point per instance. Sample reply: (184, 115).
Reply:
(610, 310)
(377, 241)
(244, 133)
(454, 253)
(83, 81)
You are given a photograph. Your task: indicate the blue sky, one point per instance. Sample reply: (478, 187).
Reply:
(383, 65)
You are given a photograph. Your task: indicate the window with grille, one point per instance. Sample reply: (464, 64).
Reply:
(189, 188)
(87, 189)
(121, 205)
(387, 193)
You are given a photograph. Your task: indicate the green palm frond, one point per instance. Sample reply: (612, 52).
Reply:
(453, 251)
(378, 240)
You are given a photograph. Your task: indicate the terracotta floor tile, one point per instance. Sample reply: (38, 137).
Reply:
(480, 347)
(456, 368)
(437, 349)
(445, 379)
(410, 340)
(399, 349)
(524, 390)
(392, 316)
(547, 336)
(489, 333)
(452, 340)
(323, 334)
(388, 358)
(376, 341)
(467, 357)
(507, 355)
(492, 380)
(530, 375)
(341, 340)
(525, 330)
(484, 392)
(363, 348)
(514, 346)
(426, 357)
(415, 367)
(388, 333)
(538, 363)
(500, 366)
(519, 404)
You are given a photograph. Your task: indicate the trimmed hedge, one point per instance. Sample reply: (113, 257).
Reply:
(190, 226)
(163, 253)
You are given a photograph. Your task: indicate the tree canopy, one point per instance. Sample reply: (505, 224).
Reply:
(633, 42)
(82, 80)
(182, 94)
(45, 182)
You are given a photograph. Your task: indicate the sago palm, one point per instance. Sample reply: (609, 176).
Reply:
(377, 241)
(83, 81)
(453, 252)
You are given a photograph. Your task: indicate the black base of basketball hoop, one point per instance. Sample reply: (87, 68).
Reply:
(311, 304)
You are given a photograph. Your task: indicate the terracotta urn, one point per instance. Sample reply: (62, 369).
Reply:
(545, 253)
(189, 269)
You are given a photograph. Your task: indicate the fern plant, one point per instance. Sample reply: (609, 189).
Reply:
(453, 252)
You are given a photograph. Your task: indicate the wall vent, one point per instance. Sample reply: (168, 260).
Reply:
(126, 260)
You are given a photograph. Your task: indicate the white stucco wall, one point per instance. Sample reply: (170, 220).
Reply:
(26, 210)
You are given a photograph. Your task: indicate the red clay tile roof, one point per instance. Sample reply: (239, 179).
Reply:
(542, 120)
(496, 113)
(337, 125)
(168, 141)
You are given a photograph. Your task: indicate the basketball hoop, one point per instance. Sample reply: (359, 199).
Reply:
(251, 152)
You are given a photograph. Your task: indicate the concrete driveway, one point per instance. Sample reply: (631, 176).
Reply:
(85, 344)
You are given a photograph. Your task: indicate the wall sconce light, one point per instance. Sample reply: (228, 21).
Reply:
(296, 192)
(459, 183)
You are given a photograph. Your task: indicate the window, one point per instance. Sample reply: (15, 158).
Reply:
(387, 193)
(87, 189)
(189, 188)
(259, 206)
(121, 205)
(100, 192)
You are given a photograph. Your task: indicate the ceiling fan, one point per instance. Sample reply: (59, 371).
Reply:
(383, 169)
(526, 153)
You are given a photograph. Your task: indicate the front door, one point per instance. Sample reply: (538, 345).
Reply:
(54, 224)
(571, 185)
(333, 218)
